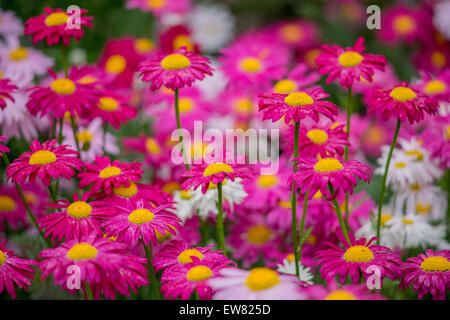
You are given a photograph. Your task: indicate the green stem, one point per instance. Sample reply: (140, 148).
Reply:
(64, 62)
(294, 203)
(55, 122)
(339, 215)
(196, 296)
(180, 133)
(60, 136)
(383, 183)
(448, 204)
(89, 295)
(203, 231)
(75, 130)
(151, 272)
(302, 225)
(219, 222)
(349, 116)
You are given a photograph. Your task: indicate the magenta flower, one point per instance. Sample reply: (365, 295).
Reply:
(3, 148)
(181, 281)
(177, 254)
(402, 102)
(437, 140)
(14, 270)
(335, 292)
(349, 64)
(63, 95)
(79, 218)
(298, 78)
(113, 109)
(105, 265)
(428, 273)
(12, 209)
(297, 105)
(356, 258)
(56, 25)
(160, 7)
(141, 221)
(6, 88)
(315, 175)
(44, 161)
(436, 87)
(104, 174)
(174, 71)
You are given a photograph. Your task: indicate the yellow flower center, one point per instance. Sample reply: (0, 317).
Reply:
(63, 86)
(30, 197)
(328, 165)
(285, 86)
(258, 234)
(156, 4)
(186, 105)
(175, 61)
(291, 33)
(185, 256)
(267, 181)
(415, 187)
(199, 273)
(115, 64)
(358, 254)
(404, 24)
(350, 59)
(170, 187)
(415, 153)
(447, 133)
(407, 221)
(186, 195)
(423, 208)
(108, 104)
(79, 209)
(2, 258)
(126, 192)
(87, 79)
(436, 263)
(340, 295)
(163, 237)
(109, 172)
(385, 218)
(402, 94)
(251, 65)
(290, 257)
(140, 216)
(285, 204)
(311, 56)
(18, 54)
(143, 45)
(7, 204)
(85, 136)
(42, 157)
(243, 106)
(152, 146)
(82, 251)
(215, 168)
(400, 165)
(261, 279)
(317, 136)
(56, 19)
(183, 41)
(298, 99)
(434, 87)
(438, 59)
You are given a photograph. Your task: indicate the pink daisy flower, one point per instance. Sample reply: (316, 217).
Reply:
(177, 253)
(176, 37)
(6, 88)
(437, 140)
(160, 7)
(255, 284)
(77, 219)
(349, 64)
(324, 140)
(141, 221)
(105, 265)
(56, 25)
(45, 162)
(428, 273)
(280, 216)
(297, 105)
(300, 77)
(113, 109)
(252, 62)
(12, 209)
(433, 58)
(332, 291)
(355, 258)
(104, 174)
(63, 95)
(14, 270)
(153, 148)
(296, 34)
(437, 87)
(204, 174)
(402, 102)
(176, 70)
(3, 148)
(181, 281)
(314, 175)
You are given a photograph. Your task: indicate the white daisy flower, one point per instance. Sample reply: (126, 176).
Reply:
(10, 24)
(186, 203)
(413, 231)
(368, 228)
(212, 26)
(90, 139)
(441, 12)
(22, 64)
(288, 267)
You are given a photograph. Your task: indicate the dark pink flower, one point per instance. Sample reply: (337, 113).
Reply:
(333, 291)
(6, 88)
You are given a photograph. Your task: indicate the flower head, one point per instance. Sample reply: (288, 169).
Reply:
(56, 25)
(333, 291)
(3, 148)
(6, 88)
(113, 109)
(349, 64)
(44, 161)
